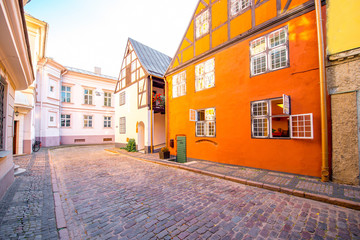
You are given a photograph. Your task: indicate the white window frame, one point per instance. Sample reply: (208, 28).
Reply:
(122, 125)
(268, 50)
(88, 121)
(66, 92)
(88, 97)
(269, 117)
(240, 6)
(202, 24)
(107, 99)
(107, 121)
(64, 118)
(205, 124)
(122, 98)
(179, 86)
(310, 115)
(203, 76)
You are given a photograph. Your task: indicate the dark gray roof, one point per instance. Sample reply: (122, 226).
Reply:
(155, 62)
(89, 73)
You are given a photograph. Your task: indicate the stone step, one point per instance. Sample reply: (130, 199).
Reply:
(19, 171)
(16, 167)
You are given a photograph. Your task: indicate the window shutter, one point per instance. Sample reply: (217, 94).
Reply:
(192, 115)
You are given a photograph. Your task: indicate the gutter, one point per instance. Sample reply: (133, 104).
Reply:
(323, 104)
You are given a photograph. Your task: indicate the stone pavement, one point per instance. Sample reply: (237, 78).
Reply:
(116, 196)
(301, 186)
(27, 209)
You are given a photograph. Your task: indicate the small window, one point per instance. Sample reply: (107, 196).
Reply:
(107, 122)
(51, 88)
(205, 75)
(202, 24)
(65, 120)
(65, 94)
(302, 126)
(179, 84)
(88, 96)
(238, 5)
(88, 121)
(122, 98)
(271, 119)
(205, 123)
(122, 124)
(270, 52)
(51, 119)
(133, 66)
(107, 99)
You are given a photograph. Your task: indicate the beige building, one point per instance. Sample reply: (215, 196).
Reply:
(16, 73)
(343, 76)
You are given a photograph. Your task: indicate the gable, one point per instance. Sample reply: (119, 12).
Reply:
(215, 23)
(131, 70)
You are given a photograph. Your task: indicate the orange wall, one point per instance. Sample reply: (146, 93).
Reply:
(232, 94)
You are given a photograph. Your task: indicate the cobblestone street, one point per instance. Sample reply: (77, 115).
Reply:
(27, 209)
(112, 196)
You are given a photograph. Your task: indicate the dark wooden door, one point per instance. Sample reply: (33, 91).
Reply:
(15, 136)
(181, 149)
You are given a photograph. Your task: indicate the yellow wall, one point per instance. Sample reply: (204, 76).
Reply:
(343, 21)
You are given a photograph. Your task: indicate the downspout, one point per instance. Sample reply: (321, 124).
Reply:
(323, 105)
(41, 102)
(166, 113)
(151, 115)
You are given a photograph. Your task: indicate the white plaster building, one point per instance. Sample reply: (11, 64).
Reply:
(24, 121)
(73, 106)
(141, 78)
(16, 73)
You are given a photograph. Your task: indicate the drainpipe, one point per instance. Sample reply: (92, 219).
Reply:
(166, 113)
(151, 114)
(41, 95)
(323, 105)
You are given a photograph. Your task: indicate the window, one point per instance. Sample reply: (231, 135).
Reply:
(51, 88)
(202, 24)
(87, 121)
(2, 114)
(179, 84)
(302, 126)
(65, 120)
(270, 52)
(88, 96)
(65, 94)
(107, 99)
(122, 98)
(205, 123)
(238, 5)
(107, 122)
(122, 125)
(205, 75)
(51, 119)
(271, 119)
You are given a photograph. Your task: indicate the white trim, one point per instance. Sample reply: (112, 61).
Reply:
(311, 126)
(192, 112)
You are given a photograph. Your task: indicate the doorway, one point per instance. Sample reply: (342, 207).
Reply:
(181, 149)
(15, 138)
(141, 136)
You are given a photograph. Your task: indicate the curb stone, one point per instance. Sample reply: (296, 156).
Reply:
(59, 212)
(297, 193)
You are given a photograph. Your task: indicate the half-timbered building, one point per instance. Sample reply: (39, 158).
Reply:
(140, 110)
(244, 86)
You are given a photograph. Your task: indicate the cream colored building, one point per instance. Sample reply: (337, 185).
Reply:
(16, 73)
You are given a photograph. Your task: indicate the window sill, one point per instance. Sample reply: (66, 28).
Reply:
(108, 106)
(88, 105)
(67, 102)
(4, 153)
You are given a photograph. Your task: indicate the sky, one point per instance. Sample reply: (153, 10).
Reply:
(88, 33)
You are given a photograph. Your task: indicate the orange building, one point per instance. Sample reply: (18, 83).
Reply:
(243, 87)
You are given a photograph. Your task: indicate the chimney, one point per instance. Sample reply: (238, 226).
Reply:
(97, 70)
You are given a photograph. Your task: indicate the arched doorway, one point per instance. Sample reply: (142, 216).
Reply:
(141, 136)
